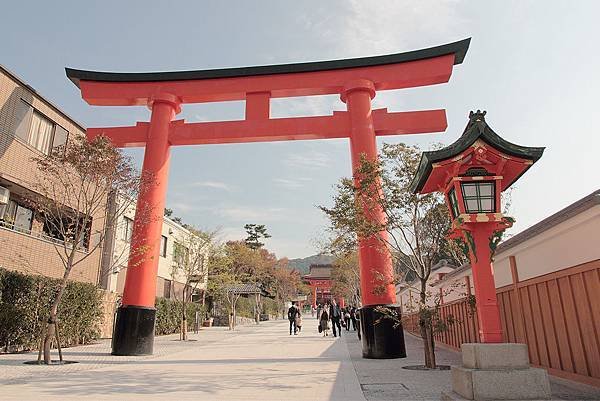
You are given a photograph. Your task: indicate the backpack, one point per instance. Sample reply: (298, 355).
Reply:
(292, 313)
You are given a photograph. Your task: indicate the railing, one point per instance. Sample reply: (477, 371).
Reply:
(39, 235)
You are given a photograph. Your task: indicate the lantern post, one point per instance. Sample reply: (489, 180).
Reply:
(472, 173)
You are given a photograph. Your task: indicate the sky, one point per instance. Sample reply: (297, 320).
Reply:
(533, 65)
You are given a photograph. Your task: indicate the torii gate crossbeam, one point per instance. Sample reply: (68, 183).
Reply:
(356, 81)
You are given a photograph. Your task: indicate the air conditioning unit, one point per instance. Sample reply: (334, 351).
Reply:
(4, 195)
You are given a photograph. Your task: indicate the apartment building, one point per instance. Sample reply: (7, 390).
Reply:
(30, 125)
(174, 239)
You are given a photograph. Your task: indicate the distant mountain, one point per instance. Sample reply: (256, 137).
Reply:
(303, 264)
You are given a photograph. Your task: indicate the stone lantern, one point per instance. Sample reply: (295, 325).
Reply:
(472, 173)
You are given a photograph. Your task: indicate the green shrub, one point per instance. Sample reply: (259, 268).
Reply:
(25, 305)
(168, 315)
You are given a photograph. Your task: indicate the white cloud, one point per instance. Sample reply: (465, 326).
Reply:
(181, 207)
(389, 26)
(225, 234)
(308, 160)
(213, 184)
(292, 183)
(248, 214)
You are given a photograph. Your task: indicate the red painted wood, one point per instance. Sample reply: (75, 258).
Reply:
(392, 76)
(568, 313)
(548, 326)
(539, 325)
(530, 334)
(586, 325)
(591, 279)
(140, 281)
(573, 328)
(376, 270)
(560, 327)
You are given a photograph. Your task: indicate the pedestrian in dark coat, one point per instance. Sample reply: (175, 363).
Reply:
(324, 322)
(336, 317)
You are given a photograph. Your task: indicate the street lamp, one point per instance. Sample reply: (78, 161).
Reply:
(472, 173)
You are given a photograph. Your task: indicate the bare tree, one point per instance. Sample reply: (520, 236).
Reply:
(190, 261)
(345, 277)
(72, 187)
(415, 227)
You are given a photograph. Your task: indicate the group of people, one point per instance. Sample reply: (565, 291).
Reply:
(329, 315)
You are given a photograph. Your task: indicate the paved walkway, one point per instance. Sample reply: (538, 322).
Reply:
(254, 363)
(386, 380)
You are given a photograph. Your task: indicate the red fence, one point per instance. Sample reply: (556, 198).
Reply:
(557, 315)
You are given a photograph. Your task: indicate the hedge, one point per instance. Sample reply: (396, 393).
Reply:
(168, 315)
(25, 305)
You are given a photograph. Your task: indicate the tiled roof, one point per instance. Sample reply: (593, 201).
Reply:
(319, 271)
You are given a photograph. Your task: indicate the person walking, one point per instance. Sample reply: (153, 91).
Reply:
(346, 312)
(299, 322)
(336, 317)
(357, 316)
(324, 322)
(293, 312)
(319, 311)
(353, 313)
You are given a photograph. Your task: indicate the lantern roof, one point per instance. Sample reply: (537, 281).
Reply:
(516, 158)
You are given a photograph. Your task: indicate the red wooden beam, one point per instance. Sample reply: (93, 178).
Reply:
(391, 76)
(123, 137)
(279, 129)
(409, 122)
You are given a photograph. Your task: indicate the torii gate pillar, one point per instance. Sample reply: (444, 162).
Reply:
(134, 325)
(380, 340)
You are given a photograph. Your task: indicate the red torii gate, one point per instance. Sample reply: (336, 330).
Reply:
(355, 80)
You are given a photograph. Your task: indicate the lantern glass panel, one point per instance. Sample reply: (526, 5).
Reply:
(487, 204)
(469, 190)
(486, 190)
(479, 197)
(453, 203)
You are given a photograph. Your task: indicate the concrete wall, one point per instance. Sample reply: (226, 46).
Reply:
(570, 243)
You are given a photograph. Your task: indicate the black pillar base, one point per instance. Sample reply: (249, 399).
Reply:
(381, 340)
(133, 332)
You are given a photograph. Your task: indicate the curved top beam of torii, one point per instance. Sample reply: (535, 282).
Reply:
(257, 85)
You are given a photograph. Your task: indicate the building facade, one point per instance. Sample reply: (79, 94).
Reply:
(170, 282)
(30, 126)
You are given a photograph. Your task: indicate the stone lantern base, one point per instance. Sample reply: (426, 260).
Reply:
(497, 372)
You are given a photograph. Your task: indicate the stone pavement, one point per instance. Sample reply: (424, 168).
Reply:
(386, 380)
(253, 363)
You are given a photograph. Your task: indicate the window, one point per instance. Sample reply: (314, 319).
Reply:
(479, 197)
(127, 229)
(180, 253)
(163, 246)
(18, 217)
(64, 228)
(37, 130)
(453, 203)
(167, 289)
